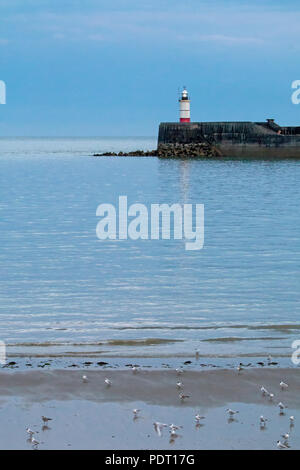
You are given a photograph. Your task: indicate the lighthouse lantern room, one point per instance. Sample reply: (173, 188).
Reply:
(184, 104)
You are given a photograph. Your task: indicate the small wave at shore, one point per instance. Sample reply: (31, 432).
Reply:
(113, 342)
(208, 345)
(230, 339)
(278, 327)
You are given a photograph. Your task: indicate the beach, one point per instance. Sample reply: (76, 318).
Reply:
(92, 415)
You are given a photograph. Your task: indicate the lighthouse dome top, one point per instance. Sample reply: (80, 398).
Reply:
(184, 94)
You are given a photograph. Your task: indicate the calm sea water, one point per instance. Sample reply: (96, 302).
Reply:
(63, 291)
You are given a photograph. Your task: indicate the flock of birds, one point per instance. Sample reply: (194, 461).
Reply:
(231, 413)
(31, 433)
(173, 429)
(282, 408)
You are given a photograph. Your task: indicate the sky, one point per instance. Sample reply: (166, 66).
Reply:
(99, 68)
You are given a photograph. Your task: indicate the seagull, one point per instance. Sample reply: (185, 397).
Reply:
(270, 358)
(173, 427)
(173, 433)
(179, 371)
(281, 446)
(135, 412)
(271, 396)
(179, 385)
(34, 441)
(239, 368)
(45, 419)
(30, 432)
(107, 382)
(134, 369)
(292, 419)
(264, 391)
(283, 386)
(285, 436)
(281, 408)
(231, 412)
(158, 427)
(84, 379)
(183, 397)
(198, 418)
(263, 421)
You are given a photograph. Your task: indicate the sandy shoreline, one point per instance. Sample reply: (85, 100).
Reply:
(93, 416)
(210, 388)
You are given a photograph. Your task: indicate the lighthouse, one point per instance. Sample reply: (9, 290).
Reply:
(184, 105)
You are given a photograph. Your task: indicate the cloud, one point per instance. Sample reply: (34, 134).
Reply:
(220, 38)
(96, 37)
(170, 25)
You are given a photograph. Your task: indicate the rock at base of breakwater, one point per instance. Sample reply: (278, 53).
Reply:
(169, 150)
(135, 153)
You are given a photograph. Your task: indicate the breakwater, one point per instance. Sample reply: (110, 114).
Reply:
(241, 139)
(222, 139)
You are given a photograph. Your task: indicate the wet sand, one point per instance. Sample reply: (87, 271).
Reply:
(93, 416)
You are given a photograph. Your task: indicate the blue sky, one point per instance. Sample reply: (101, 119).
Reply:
(95, 67)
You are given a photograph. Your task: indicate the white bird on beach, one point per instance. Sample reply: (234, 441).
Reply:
(159, 426)
(231, 412)
(179, 385)
(174, 427)
(134, 369)
(285, 436)
(30, 432)
(107, 382)
(239, 368)
(264, 391)
(173, 433)
(283, 385)
(271, 396)
(183, 397)
(282, 446)
(263, 420)
(292, 419)
(281, 407)
(34, 441)
(198, 418)
(84, 379)
(179, 371)
(135, 412)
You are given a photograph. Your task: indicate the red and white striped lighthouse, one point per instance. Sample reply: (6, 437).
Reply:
(184, 103)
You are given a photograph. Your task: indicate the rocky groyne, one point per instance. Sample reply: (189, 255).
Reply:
(169, 151)
(134, 153)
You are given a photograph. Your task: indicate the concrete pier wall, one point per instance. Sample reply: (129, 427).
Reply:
(244, 139)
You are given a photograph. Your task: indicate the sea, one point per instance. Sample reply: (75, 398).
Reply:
(66, 293)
